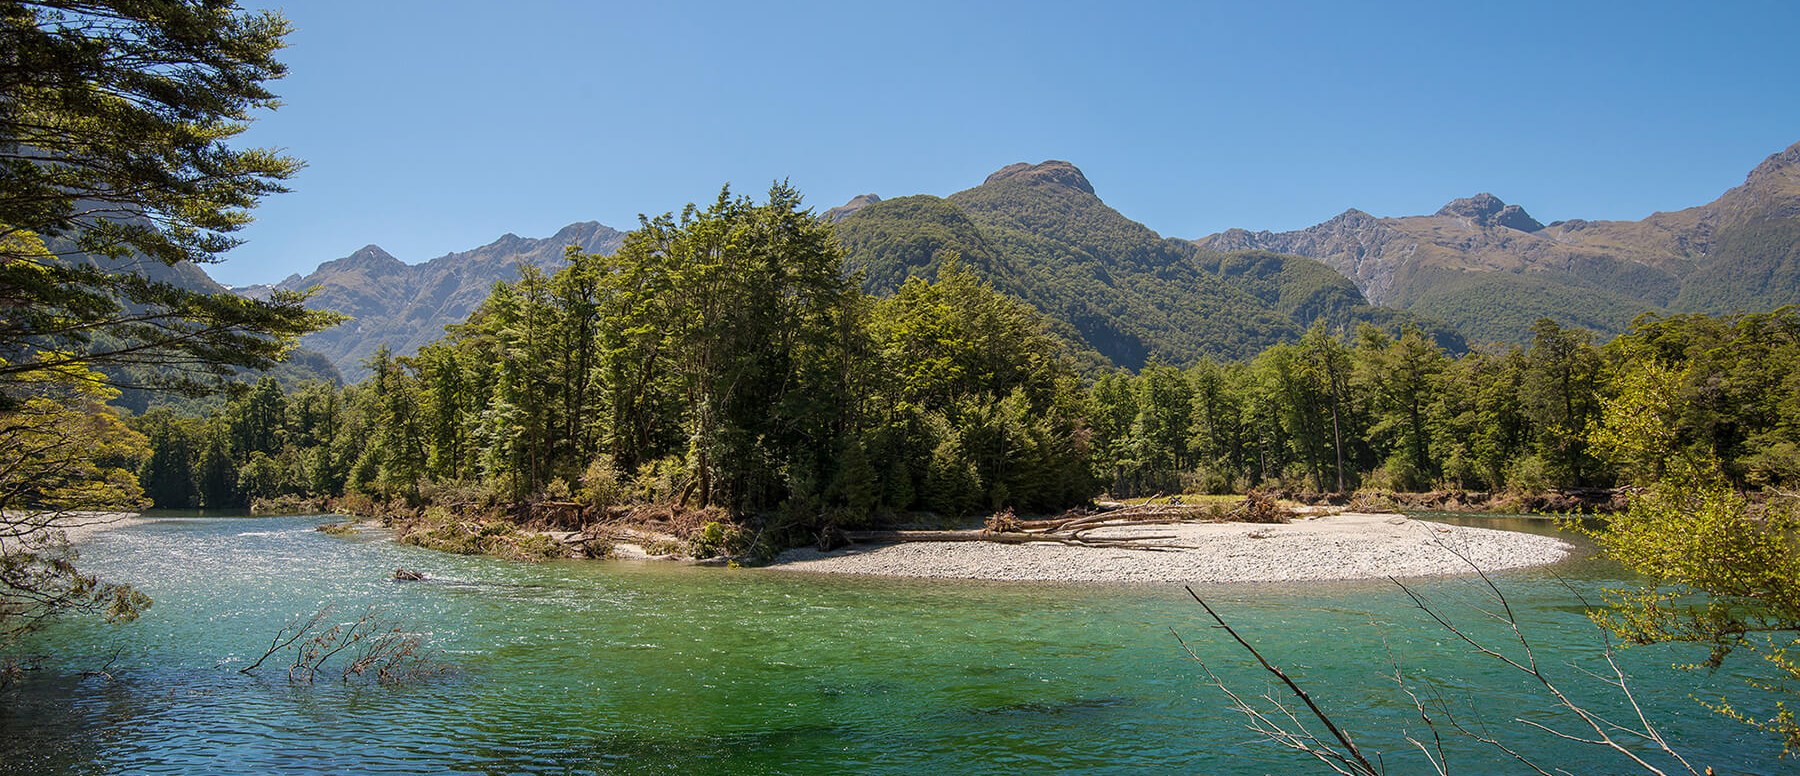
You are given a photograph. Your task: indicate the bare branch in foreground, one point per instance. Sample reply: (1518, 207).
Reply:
(1279, 724)
(1603, 729)
(1350, 756)
(371, 644)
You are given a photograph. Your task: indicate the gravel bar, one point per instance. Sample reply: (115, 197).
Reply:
(1344, 546)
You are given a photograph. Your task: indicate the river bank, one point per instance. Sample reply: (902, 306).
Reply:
(1331, 547)
(81, 526)
(570, 667)
(1314, 543)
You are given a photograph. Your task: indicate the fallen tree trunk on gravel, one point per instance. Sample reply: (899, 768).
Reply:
(1077, 527)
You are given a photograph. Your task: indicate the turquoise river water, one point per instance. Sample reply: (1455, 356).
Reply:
(583, 667)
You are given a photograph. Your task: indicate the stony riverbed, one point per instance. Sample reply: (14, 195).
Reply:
(1344, 546)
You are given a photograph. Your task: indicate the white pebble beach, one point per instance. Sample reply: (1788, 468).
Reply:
(78, 527)
(1335, 547)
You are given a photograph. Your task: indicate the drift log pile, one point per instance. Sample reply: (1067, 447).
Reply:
(1077, 527)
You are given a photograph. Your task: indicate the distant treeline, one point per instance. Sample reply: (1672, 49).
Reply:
(723, 358)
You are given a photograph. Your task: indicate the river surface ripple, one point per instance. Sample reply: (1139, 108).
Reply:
(589, 667)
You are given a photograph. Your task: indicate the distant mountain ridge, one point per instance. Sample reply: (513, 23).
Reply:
(1489, 268)
(1039, 232)
(405, 305)
(1036, 231)
(1477, 267)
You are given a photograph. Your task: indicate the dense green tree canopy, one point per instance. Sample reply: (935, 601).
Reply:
(115, 169)
(115, 119)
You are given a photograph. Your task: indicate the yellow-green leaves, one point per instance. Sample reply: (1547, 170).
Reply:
(1724, 570)
(66, 458)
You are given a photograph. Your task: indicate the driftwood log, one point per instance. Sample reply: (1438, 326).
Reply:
(1076, 527)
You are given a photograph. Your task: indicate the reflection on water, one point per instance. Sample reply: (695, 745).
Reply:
(577, 667)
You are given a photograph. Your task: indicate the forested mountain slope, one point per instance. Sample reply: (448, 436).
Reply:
(1039, 232)
(1490, 269)
(404, 306)
(301, 365)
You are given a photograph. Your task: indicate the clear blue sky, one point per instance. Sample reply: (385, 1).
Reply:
(437, 126)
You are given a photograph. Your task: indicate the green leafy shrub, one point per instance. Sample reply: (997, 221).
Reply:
(661, 481)
(715, 539)
(599, 486)
(1530, 474)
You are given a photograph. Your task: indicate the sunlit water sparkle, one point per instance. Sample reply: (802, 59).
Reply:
(581, 667)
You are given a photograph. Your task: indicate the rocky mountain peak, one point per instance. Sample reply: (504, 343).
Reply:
(579, 230)
(849, 209)
(368, 257)
(1479, 207)
(1054, 172)
(1515, 217)
(1784, 162)
(1488, 210)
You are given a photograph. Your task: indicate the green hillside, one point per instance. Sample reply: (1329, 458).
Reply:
(1755, 267)
(1040, 233)
(895, 239)
(1490, 307)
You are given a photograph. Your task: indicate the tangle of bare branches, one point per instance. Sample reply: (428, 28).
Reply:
(369, 647)
(1633, 740)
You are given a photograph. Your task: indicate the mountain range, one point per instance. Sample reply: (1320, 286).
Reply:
(1489, 269)
(1479, 268)
(404, 306)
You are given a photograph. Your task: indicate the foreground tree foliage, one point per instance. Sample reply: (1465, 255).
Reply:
(116, 178)
(68, 461)
(114, 124)
(1723, 570)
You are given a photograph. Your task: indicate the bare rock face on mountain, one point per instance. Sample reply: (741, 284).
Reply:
(404, 306)
(1486, 210)
(1366, 249)
(849, 209)
(1053, 172)
(1489, 268)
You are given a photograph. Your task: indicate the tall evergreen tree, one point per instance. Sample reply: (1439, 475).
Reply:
(115, 122)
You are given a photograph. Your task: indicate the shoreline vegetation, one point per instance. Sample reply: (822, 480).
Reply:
(459, 450)
(722, 388)
(1293, 543)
